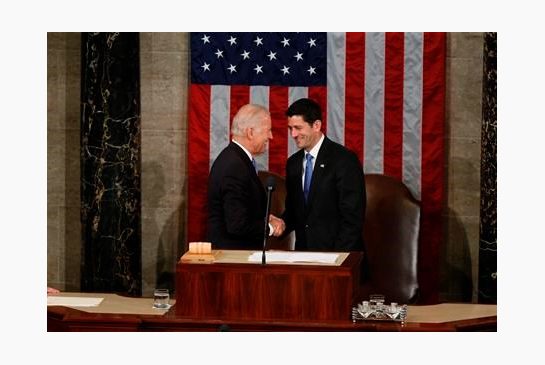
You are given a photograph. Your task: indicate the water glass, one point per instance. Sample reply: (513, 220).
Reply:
(161, 299)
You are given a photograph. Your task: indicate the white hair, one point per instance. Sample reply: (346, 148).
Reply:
(248, 116)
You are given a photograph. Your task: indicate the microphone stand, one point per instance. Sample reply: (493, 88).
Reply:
(270, 188)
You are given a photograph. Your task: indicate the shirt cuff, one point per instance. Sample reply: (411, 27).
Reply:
(271, 229)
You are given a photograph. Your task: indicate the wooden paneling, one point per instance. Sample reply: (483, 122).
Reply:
(267, 292)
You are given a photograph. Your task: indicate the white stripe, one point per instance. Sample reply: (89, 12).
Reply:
(294, 94)
(374, 103)
(219, 119)
(336, 60)
(260, 95)
(412, 112)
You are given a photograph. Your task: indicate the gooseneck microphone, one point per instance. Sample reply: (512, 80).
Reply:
(269, 185)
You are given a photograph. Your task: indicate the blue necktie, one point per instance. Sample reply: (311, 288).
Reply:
(255, 165)
(308, 175)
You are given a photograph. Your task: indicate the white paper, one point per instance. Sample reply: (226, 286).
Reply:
(74, 301)
(310, 257)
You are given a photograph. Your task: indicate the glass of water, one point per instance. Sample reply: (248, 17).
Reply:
(161, 299)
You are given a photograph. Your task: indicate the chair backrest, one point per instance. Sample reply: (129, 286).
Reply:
(391, 234)
(278, 201)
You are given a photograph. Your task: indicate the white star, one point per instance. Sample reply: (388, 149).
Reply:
(299, 56)
(285, 70)
(206, 67)
(258, 69)
(245, 55)
(311, 70)
(232, 40)
(219, 53)
(258, 41)
(205, 39)
(232, 68)
(272, 55)
(312, 42)
(285, 42)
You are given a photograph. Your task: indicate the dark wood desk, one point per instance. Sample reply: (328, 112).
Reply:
(130, 314)
(234, 288)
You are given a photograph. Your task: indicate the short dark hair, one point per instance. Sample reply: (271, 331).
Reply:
(307, 108)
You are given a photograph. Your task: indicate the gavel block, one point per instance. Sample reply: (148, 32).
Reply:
(199, 252)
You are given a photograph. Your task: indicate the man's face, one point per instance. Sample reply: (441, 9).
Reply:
(261, 136)
(304, 135)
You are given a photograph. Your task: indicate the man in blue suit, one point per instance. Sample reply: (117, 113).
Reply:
(325, 201)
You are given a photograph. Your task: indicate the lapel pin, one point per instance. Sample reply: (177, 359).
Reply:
(322, 165)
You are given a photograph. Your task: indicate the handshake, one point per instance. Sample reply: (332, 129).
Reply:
(277, 226)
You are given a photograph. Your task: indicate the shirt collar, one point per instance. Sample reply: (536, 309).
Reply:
(314, 151)
(244, 149)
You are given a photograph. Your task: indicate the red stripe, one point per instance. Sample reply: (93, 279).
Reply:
(354, 92)
(319, 94)
(198, 161)
(433, 134)
(240, 95)
(393, 104)
(278, 146)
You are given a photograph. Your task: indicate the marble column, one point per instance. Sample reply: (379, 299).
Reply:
(110, 163)
(488, 221)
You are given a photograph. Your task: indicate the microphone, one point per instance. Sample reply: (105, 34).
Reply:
(269, 185)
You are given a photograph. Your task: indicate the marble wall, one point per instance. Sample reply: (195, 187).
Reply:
(164, 85)
(110, 163)
(488, 264)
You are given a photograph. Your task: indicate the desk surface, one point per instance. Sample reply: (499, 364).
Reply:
(141, 316)
(117, 304)
(241, 257)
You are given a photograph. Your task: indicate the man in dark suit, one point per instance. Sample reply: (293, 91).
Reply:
(236, 198)
(325, 201)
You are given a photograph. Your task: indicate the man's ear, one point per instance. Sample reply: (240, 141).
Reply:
(317, 125)
(249, 133)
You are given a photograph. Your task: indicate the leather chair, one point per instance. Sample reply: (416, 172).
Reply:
(278, 201)
(391, 235)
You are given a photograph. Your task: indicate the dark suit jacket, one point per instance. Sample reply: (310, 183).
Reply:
(333, 218)
(236, 202)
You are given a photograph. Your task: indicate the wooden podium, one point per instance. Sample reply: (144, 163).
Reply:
(231, 288)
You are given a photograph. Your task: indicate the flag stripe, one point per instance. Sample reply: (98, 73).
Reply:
(219, 120)
(393, 104)
(433, 134)
(335, 86)
(240, 95)
(374, 103)
(198, 151)
(355, 92)
(412, 113)
(278, 147)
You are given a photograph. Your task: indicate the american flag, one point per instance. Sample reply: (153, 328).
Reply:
(382, 95)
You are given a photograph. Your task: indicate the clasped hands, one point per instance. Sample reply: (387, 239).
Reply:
(277, 224)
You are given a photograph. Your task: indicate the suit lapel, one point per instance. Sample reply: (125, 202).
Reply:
(297, 170)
